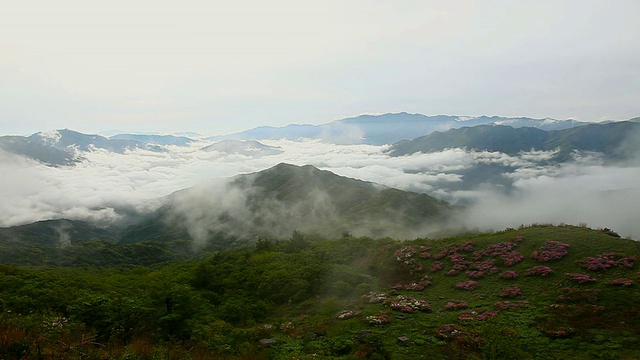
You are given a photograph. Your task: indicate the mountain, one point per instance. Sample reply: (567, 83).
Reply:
(154, 139)
(249, 148)
(68, 140)
(277, 201)
(609, 139)
(21, 146)
(390, 128)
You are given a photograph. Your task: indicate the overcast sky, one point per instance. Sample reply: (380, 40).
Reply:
(223, 66)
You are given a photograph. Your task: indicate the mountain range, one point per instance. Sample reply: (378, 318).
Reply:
(409, 132)
(611, 139)
(390, 128)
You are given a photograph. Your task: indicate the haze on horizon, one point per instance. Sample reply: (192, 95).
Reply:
(218, 67)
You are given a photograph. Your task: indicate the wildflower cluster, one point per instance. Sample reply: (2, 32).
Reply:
(503, 305)
(436, 266)
(480, 315)
(607, 260)
(449, 331)
(509, 275)
(453, 249)
(467, 285)
(503, 250)
(375, 298)
(347, 314)
(378, 319)
(408, 304)
(539, 270)
(580, 278)
(460, 263)
(405, 253)
(511, 291)
(620, 282)
(424, 252)
(456, 305)
(481, 268)
(551, 250)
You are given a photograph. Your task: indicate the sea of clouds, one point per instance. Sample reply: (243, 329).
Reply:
(107, 188)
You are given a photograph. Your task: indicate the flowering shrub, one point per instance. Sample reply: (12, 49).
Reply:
(620, 282)
(475, 274)
(449, 331)
(502, 250)
(551, 250)
(408, 304)
(436, 266)
(424, 252)
(347, 314)
(452, 249)
(503, 305)
(539, 270)
(511, 291)
(580, 278)
(375, 298)
(467, 285)
(378, 319)
(420, 285)
(607, 260)
(519, 238)
(405, 253)
(509, 274)
(488, 266)
(480, 315)
(456, 304)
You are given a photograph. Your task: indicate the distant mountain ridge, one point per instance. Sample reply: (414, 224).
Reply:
(390, 128)
(610, 139)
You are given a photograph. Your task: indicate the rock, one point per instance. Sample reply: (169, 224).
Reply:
(403, 339)
(267, 342)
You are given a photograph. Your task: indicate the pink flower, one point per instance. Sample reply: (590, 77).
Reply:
(467, 285)
(511, 291)
(581, 278)
(509, 274)
(539, 270)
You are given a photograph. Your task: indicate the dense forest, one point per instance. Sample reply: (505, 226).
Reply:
(536, 292)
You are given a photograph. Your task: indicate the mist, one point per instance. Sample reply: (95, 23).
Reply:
(109, 189)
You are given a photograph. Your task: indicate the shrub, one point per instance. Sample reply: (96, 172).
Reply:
(509, 274)
(539, 270)
(551, 250)
(467, 285)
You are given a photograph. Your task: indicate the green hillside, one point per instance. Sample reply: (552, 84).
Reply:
(276, 201)
(346, 298)
(607, 139)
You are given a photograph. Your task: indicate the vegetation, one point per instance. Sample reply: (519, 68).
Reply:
(539, 292)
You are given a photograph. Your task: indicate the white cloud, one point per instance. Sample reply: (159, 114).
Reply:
(106, 187)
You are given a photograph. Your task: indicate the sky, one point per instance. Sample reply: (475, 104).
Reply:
(217, 67)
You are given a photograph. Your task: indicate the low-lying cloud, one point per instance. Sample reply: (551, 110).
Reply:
(108, 188)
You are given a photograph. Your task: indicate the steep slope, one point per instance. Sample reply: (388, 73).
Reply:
(284, 198)
(607, 139)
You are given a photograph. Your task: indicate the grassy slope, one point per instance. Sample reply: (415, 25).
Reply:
(219, 301)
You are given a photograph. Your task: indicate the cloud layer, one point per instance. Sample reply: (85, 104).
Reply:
(107, 188)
